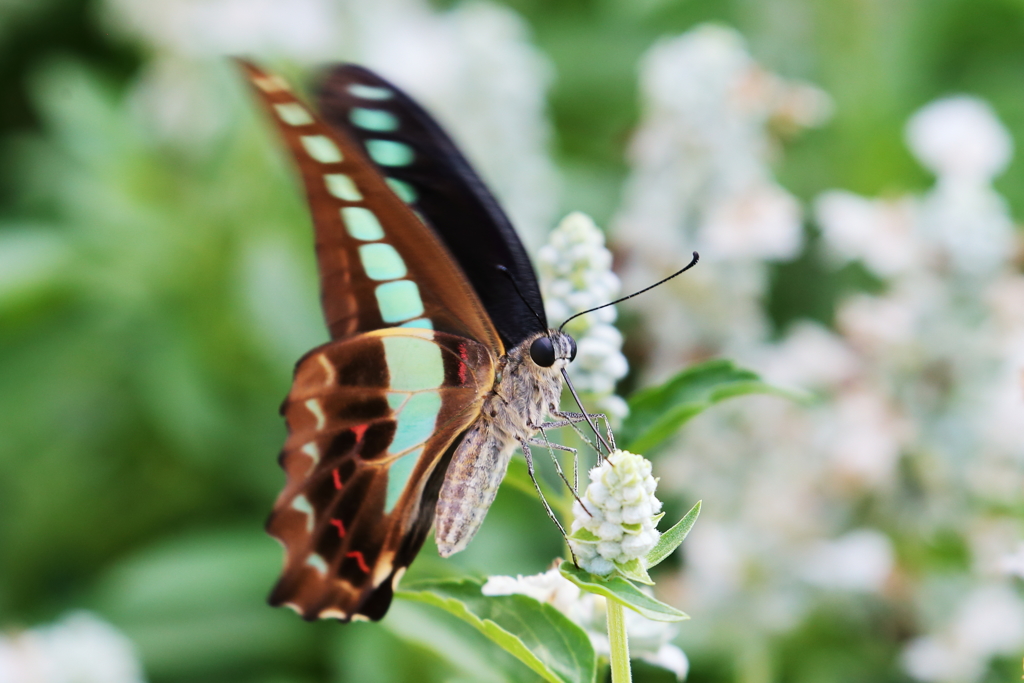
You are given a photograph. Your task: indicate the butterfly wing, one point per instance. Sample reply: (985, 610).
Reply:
(372, 420)
(380, 266)
(443, 187)
(374, 415)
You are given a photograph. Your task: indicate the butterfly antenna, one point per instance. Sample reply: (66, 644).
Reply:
(515, 284)
(691, 264)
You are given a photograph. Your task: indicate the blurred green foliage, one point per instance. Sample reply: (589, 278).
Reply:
(152, 302)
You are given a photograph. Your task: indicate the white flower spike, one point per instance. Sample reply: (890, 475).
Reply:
(618, 524)
(576, 275)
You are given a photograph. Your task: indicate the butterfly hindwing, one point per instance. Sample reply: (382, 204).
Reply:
(380, 265)
(443, 187)
(371, 420)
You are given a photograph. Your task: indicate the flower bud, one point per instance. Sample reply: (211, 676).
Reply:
(618, 523)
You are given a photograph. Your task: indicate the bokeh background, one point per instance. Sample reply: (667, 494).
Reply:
(845, 167)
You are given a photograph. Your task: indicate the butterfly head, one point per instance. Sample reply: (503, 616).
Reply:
(553, 349)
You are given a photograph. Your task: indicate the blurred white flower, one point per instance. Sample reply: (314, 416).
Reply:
(1005, 300)
(929, 658)
(700, 178)
(617, 525)
(575, 274)
(763, 222)
(80, 648)
(960, 140)
(648, 640)
(810, 356)
(473, 67)
(307, 30)
(861, 560)
(864, 437)
(1013, 563)
(550, 587)
(700, 158)
(877, 325)
(1002, 414)
(961, 222)
(968, 225)
(879, 233)
(989, 622)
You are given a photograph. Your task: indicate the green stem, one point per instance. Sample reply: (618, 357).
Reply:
(618, 643)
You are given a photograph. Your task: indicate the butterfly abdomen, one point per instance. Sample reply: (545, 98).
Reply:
(511, 414)
(470, 485)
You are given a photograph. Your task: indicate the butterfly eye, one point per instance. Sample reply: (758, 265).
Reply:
(542, 351)
(572, 349)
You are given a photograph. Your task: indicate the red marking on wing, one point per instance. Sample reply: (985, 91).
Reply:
(341, 529)
(359, 430)
(360, 559)
(337, 478)
(462, 365)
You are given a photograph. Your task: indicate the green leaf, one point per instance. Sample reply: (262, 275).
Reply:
(619, 589)
(585, 535)
(634, 570)
(536, 633)
(657, 413)
(671, 539)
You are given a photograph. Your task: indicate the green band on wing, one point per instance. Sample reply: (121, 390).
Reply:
(373, 119)
(301, 503)
(399, 300)
(381, 261)
(321, 148)
(293, 114)
(317, 562)
(415, 421)
(342, 187)
(404, 190)
(421, 323)
(369, 92)
(398, 476)
(389, 152)
(414, 363)
(361, 223)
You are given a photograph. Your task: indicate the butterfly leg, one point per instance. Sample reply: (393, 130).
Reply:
(572, 419)
(547, 508)
(573, 488)
(575, 418)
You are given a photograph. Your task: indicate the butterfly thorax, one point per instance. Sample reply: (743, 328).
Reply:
(524, 394)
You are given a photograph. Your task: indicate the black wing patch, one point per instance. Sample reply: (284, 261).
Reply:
(440, 184)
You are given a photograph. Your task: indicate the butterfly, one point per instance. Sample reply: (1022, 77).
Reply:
(440, 362)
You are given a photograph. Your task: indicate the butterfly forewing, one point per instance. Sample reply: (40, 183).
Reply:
(380, 266)
(371, 419)
(442, 186)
